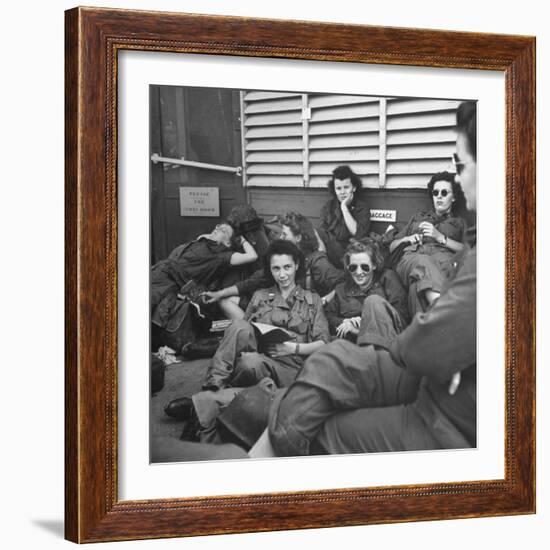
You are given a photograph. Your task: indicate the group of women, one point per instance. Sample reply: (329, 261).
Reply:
(327, 284)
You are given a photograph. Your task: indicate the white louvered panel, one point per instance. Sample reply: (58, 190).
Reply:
(274, 156)
(273, 106)
(275, 181)
(344, 112)
(344, 141)
(344, 155)
(332, 100)
(274, 131)
(409, 106)
(274, 169)
(427, 135)
(274, 144)
(407, 181)
(343, 127)
(420, 151)
(427, 120)
(290, 117)
(425, 166)
(261, 96)
(369, 180)
(326, 168)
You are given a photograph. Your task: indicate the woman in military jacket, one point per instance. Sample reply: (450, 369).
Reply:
(429, 241)
(284, 304)
(345, 216)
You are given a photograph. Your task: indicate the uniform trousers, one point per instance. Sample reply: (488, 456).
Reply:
(421, 272)
(351, 398)
(237, 362)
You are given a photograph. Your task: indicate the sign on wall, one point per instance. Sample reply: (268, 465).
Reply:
(382, 215)
(200, 201)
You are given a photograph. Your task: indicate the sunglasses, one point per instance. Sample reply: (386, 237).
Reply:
(352, 268)
(437, 192)
(459, 164)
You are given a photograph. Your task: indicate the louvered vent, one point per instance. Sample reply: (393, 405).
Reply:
(296, 140)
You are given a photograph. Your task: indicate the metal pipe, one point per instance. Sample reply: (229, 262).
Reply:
(182, 162)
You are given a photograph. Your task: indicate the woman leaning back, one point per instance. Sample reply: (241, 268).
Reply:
(429, 241)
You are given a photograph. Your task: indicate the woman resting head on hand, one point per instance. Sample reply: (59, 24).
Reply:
(345, 215)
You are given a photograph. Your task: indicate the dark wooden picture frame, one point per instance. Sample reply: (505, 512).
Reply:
(93, 511)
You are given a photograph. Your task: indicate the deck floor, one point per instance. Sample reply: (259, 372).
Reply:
(181, 379)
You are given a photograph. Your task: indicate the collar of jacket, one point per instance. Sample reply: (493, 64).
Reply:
(351, 289)
(436, 217)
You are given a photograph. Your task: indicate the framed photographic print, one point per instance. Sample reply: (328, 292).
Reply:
(294, 260)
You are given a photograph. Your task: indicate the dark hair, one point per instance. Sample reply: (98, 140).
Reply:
(235, 240)
(278, 248)
(459, 202)
(300, 225)
(343, 173)
(466, 124)
(370, 246)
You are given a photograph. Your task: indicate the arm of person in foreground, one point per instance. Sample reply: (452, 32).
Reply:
(442, 341)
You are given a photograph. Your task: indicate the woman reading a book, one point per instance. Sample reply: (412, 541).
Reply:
(283, 325)
(244, 356)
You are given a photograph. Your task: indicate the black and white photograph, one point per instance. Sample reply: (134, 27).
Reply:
(312, 273)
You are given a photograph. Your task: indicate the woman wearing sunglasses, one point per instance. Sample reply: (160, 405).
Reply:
(429, 241)
(370, 300)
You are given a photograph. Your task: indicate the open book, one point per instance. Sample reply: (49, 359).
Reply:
(270, 334)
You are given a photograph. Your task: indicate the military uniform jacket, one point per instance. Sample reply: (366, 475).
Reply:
(301, 313)
(438, 344)
(453, 227)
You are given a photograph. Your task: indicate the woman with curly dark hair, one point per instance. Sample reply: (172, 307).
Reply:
(284, 304)
(345, 216)
(429, 241)
(370, 299)
(238, 362)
